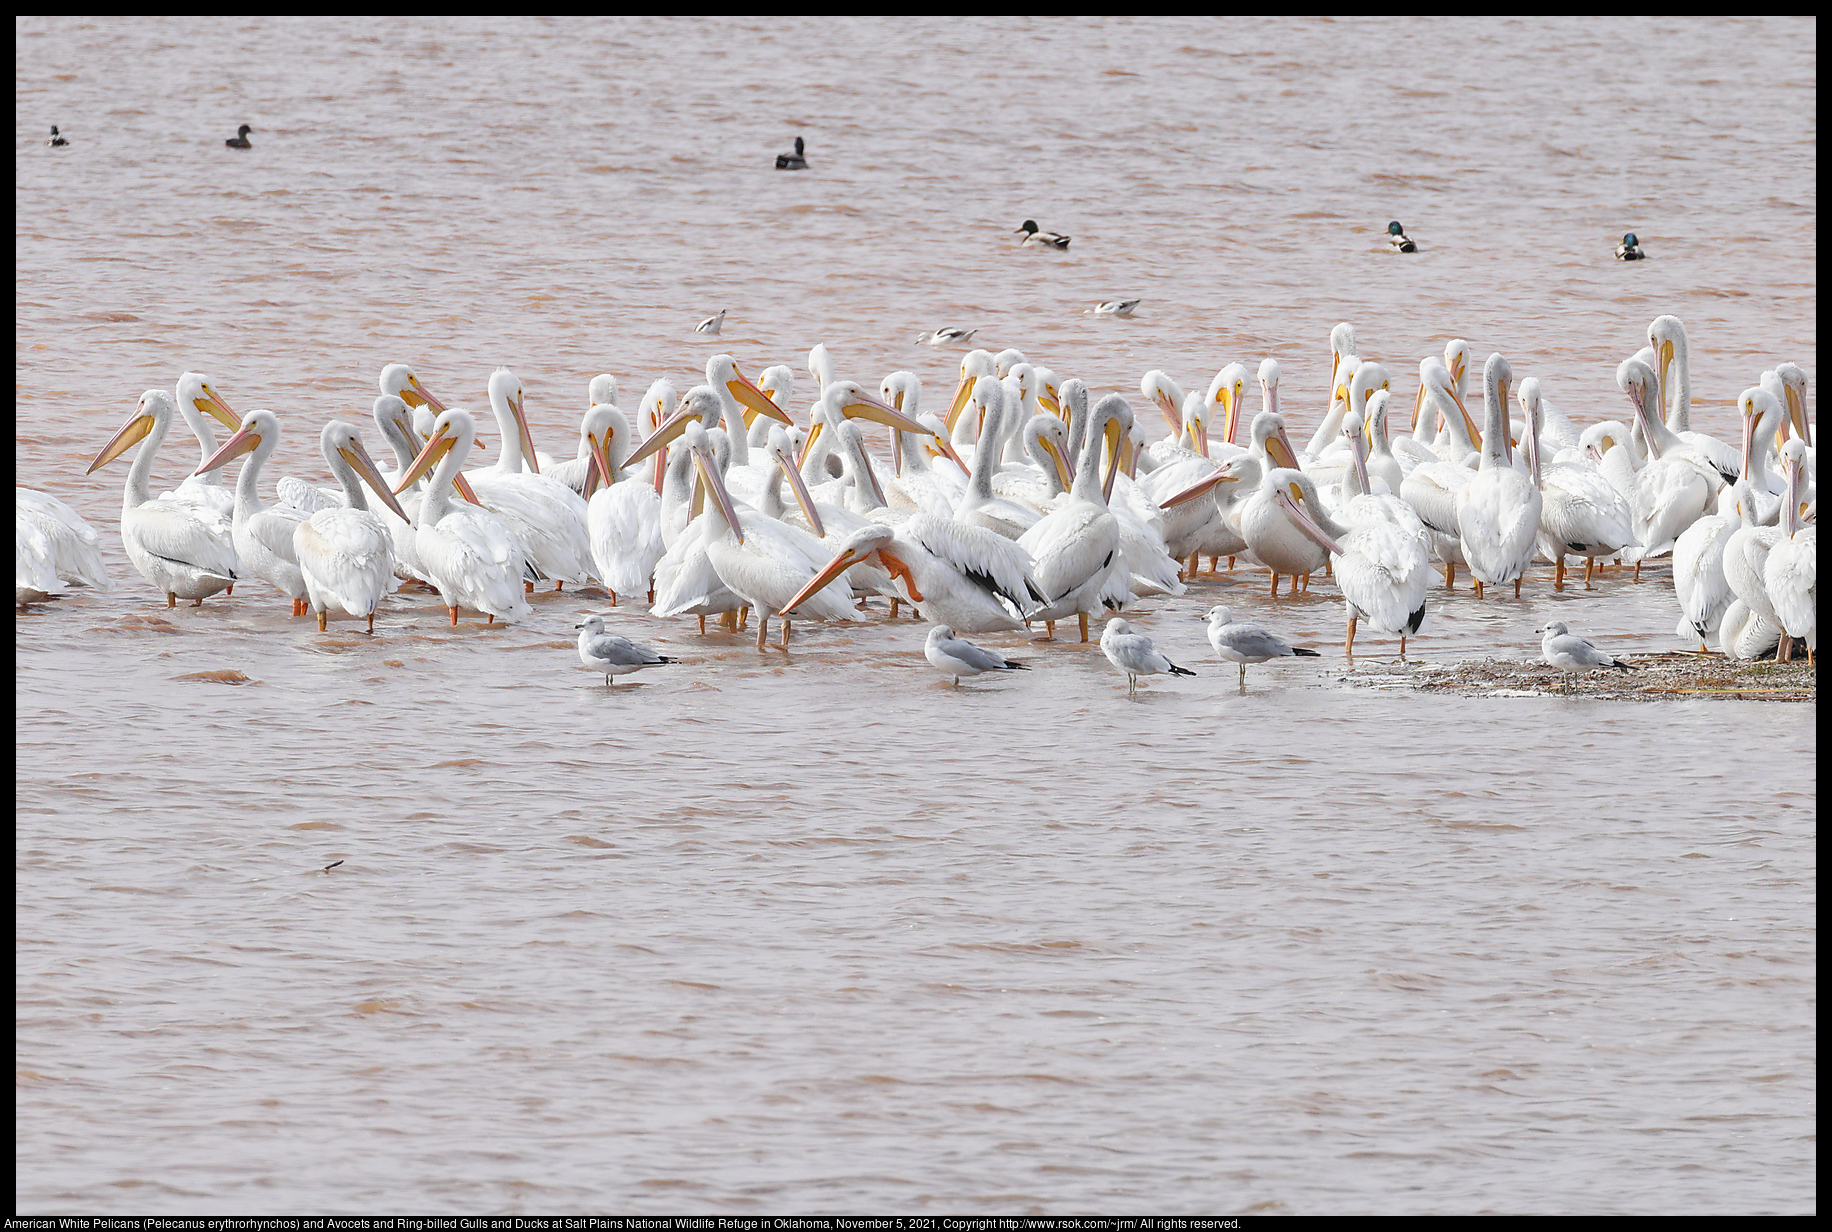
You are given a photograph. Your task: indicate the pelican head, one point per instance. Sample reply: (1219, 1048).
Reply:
(820, 366)
(153, 412)
(1269, 373)
(340, 440)
(196, 393)
(1165, 394)
(857, 548)
(399, 380)
(1227, 391)
(601, 391)
(606, 432)
(974, 365)
(1456, 362)
(699, 405)
(506, 399)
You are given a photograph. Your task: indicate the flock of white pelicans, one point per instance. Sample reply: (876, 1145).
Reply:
(1026, 500)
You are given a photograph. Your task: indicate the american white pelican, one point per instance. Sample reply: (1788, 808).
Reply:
(1698, 566)
(963, 576)
(842, 401)
(916, 484)
(67, 546)
(263, 532)
(826, 525)
(1150, 569)
(1456, 361)
(1397, 239)
(1610, 447)
(793, 162)
(1189, 528)
(1580, 514)
(346, 555)
(741, 402)
(1568, 652)
(1269, 447)
(36, 579)
(1044, 480)
(601, 390)
(1341, 352)
(1357, 381)
(947, 336)
(1021, 406)
(1746, 555)
(1168, 396)
(470, 554)
(1791, 574)
(394, 420)
(974, 365)
(1281, 524)
(1134, 654)
(1384, 560)
(183, 550)
(1243, 643)
(1677, 486)
(657, 406)
(685, 583)
(1116, 307)
(623, 517)
(1794, 398)
(1042, 239)
(400, 381)
(198, 402)
(1673, 367)
(1498, 509)
(240, 140)
(712, 324)
(957, 657)
(1228, 392)
(977, 505)
(1076, 546)
(1747, 635)
(1382, 463)
(1763, 419)
(1630, 249)
(612, 653)
(545, 516)
(758, 558)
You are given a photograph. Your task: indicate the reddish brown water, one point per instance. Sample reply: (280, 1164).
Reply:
(816, 932)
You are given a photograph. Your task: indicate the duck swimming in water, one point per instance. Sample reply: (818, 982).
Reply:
(55, 139)
(792, 162)
(1396, 236)
(1046, 239)
(240, 140)
(1630, 249)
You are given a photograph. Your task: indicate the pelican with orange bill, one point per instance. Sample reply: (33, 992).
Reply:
(263, 532)
(187, 551)
(471, 555)
(758, 559)
(347, 555)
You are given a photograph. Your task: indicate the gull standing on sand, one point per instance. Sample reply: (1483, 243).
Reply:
(1134, 654)
(1242, 643)
(1568, 652)
(957, 657)
(612, 653)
